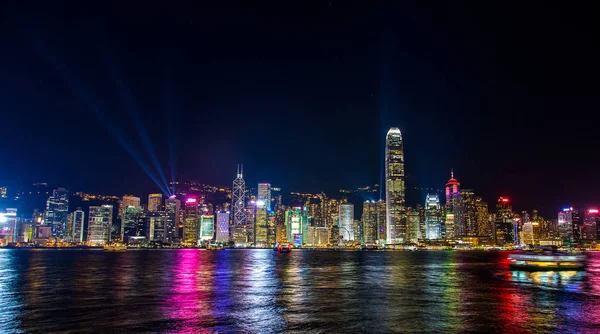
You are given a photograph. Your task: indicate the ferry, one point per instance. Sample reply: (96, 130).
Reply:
(115, 248)
(283, 247)
(215, 247)
(547, 259)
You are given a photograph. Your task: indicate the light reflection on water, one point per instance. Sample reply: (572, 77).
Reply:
(252, 291)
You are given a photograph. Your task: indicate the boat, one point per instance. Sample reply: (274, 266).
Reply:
(214, 247)
(547, 259)
(115, 248)
(284, 248)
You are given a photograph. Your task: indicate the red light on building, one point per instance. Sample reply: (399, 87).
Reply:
(191, 200)
(503, 199)
(593, 211)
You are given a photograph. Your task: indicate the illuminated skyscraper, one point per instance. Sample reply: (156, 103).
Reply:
(264, 194)
(395, 188)
(453, 207)
(222, 233)
(99, 224)
(154, 202)
(433, 217)
(207, 227)
(412, 222)
(2, 192)
(132, 223)
(484, 227)
(347, 221)
(238, 198)
(57, 211)
(369, 222)
(172, 208)
(504, 232)
(128, 200)
(381, 221)
(191, 222)
(565, 224)
(260, 226)
(77, 221)
(577, 218)
(296, 226)
(589, 230)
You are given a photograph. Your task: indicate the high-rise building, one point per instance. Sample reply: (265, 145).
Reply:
(128, 200)
(466, 210)
(296, 226)
(369, 222)
(57, 211)
(484, 227)
(172, 208)
(260, 226)
(433, 217)
(156, 225)
(412, 222)
(565, 224)
(504, 232)
(154, 202)
(238, 198)
(395, 188)
(264, 194)
(3, 191)
(577, 218)
(99, 224)
(347, 222)
(222, 233)
(207, 227)
(453, 207)
(381, 221)
(77, 222)
(132, 223)
(588, 231)
(191, 222)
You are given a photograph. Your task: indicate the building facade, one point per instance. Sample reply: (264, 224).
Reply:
(395, 188)
(99, 224)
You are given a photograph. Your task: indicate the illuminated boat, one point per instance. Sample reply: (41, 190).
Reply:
(284, 248)
(115, 248)
(547, 260)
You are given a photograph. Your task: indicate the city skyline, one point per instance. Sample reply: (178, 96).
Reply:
(300, 106)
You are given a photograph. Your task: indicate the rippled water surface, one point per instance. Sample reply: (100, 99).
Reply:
(191, 291)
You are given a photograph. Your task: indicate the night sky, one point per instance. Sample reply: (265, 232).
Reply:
(302, 93)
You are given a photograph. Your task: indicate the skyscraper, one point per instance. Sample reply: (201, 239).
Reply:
(395, 188)
(128, 200)
(172, 207)
(433, 217)
(264, 194)
(412, 222)
(238, 198)
(222, 233)
(191, 221)
(260, 226)
(295, 225)
(78, 217)
(565, 224)
(369, 222)
(504, 233)
(130, 223)
(154, 202)
(207, 227)
(347, 221)
(99, 224)
(57, 211)
(453, 208)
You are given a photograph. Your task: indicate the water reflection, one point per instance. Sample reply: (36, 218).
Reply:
(258, 291)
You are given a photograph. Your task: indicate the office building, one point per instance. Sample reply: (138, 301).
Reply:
(207, 228)
(132, 223)
(264, 195)
(100, 220)
(77, 224)
(504, 231)
(296, 226)
(433, 217)
(154, 202)
(238, 198)
(261, 222)
(395, 188)
(222, 231)
(346, 221)
(57, 211)
(369, 222)
(172, 209)
(128, 200)
(413, 220)
(191, 222)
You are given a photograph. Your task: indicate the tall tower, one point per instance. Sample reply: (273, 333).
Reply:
(264, 194)
(57, 208)
(395, 191)
(346, 221)
(238, 198)
(433, 217)
(154, 202)
(172, 208)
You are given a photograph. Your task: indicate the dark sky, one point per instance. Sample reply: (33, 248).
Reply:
(302, 93)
